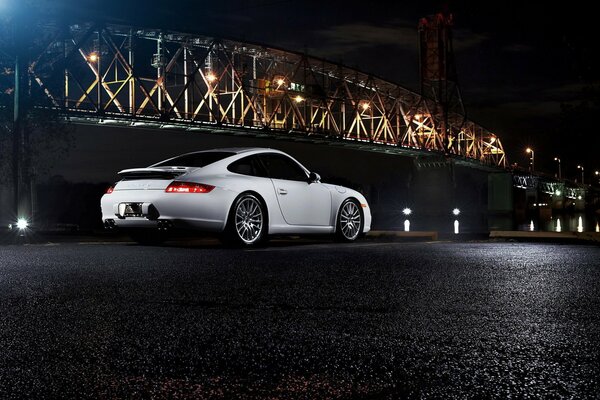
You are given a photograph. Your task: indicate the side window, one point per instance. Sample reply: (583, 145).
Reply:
(282, 167)
(248, 166)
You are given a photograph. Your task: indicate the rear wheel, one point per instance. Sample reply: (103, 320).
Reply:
(349, 221)
(247, 223)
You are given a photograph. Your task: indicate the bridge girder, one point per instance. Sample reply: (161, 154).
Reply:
(547, 186)
(145, 74)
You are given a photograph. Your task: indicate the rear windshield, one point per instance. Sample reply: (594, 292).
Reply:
(195, 159)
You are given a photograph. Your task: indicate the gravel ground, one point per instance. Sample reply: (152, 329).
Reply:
(300, 321)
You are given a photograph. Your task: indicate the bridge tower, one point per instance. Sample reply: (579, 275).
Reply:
(439, 80)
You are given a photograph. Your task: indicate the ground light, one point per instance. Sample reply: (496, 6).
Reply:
(22, 224)
(407, 211)
(456, 212)
(580, 225)
(558, 228)
(531, 226)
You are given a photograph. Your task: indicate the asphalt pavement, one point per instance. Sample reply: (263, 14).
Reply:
(300, 320)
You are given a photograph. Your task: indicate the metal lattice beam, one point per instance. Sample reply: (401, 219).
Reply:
(144, 74)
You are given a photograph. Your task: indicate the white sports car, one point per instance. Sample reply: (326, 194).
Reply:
(244, 194)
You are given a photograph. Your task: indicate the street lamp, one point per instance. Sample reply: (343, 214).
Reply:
(530, 150)
(16, 14)
(559, 171)
(582, 175)
(93, 57)
(211, 77)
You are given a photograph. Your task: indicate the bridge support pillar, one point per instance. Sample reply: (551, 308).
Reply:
(500, 201)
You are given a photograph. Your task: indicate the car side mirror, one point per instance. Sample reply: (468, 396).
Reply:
(313, 177)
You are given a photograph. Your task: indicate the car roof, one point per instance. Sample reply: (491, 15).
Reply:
(236, 152)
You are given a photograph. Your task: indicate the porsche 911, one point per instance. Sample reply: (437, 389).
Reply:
(244, 195)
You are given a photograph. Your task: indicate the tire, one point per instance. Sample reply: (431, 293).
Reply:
(350, 221)
(247, 223)
(148, 237)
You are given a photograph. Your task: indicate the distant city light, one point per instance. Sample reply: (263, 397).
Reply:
(299, 99)
(456, 211)
(407, 211)
(558, 192)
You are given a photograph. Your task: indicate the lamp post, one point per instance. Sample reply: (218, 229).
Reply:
(16, 12)
(557, 159)
(529, 150)
(582, 174)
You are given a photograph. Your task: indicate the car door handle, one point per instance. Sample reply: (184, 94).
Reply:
(282, 191)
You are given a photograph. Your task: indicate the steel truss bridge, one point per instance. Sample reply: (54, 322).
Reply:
(549, 186)
(105, 73)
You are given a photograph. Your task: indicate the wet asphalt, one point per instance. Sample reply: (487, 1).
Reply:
(300, 321)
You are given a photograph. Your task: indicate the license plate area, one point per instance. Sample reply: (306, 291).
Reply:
(135, 210)
(131, 210)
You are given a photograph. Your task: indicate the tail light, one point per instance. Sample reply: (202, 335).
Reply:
(110, 190)
(188, 187)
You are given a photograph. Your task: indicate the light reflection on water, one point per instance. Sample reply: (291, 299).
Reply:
(577, 222)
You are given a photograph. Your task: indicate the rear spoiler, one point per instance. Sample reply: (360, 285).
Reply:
(152, 173)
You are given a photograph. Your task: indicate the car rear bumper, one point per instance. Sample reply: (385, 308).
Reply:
(201, 211)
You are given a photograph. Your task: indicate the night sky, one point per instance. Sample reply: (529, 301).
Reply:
(518, 63)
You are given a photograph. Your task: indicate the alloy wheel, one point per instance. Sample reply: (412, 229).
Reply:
(350, 220)
(249, 219)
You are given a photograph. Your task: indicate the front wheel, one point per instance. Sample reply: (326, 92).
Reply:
(349, 221)
(247, 223)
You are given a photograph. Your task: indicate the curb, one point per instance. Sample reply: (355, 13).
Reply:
(422, 235)
(582, 237)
